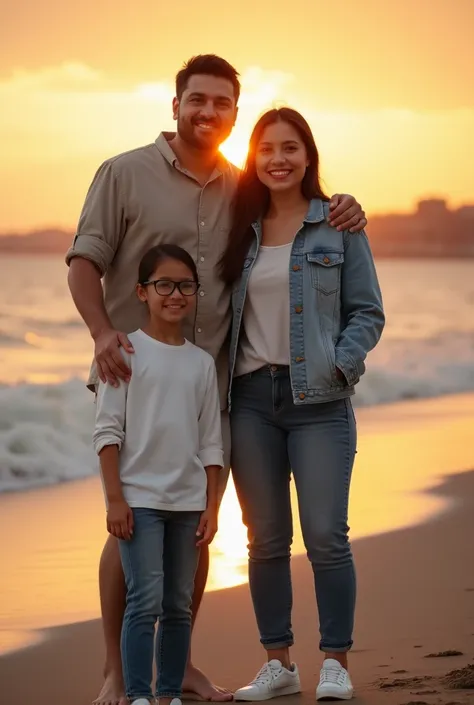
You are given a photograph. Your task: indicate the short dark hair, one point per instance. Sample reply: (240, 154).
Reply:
(209, 65)
(158, 254)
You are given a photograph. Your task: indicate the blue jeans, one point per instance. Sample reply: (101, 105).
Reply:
(272, 437)
(159, 564)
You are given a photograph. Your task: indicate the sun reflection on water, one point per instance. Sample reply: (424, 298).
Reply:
(229, 549)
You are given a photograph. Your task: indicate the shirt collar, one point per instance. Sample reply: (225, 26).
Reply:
(163, 144)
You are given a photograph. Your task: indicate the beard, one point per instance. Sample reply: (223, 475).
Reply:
(187, 131)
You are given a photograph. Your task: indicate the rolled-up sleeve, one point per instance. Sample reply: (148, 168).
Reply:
(110, 416)
(210, 433)
(102, 222)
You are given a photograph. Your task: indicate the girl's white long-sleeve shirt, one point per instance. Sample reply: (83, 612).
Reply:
(165, 422)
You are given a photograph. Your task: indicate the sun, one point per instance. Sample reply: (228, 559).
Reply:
(235, 148)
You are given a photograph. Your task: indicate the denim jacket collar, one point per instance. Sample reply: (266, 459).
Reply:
(315, 212)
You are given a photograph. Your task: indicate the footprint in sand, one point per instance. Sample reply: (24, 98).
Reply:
(445, 654)
(399, 683)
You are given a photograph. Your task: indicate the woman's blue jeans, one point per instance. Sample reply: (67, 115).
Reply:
(272, 438)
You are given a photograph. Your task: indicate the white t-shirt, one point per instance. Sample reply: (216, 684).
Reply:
(166, 423)
(266, 320)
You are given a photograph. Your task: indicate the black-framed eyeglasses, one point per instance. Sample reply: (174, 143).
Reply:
(165, 287)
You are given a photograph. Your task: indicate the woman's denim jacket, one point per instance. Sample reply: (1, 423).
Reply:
(336, 314)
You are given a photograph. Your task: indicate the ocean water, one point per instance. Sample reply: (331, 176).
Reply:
(46, 413)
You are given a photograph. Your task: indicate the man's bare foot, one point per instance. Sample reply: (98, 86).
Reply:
(112, 692)
(197, 686)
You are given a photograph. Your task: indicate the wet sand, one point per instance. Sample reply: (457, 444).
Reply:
(416, 597)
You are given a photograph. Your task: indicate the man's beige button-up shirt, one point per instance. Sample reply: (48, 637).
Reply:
(143, 198)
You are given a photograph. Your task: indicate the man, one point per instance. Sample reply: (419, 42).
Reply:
(178, 189)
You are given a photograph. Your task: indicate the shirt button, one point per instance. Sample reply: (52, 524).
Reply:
(298, 309)
(203, 223)
(199, 330)
(202, 259)
(326, 260)
(299, 359)
(302, 395)
(201, 293)
(296, 267)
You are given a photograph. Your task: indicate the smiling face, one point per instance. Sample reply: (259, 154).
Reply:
(206, 111)
(281, 158)
(164, 306)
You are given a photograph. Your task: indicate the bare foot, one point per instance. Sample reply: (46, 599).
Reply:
(197, 686)
(112, 692)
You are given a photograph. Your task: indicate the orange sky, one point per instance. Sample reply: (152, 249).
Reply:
(388, 88)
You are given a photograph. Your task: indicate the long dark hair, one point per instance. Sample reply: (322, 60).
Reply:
(252, 198)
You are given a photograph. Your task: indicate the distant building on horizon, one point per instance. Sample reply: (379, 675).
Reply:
(433, 230)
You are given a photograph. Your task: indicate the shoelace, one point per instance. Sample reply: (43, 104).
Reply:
(265, 674)
(333, 675)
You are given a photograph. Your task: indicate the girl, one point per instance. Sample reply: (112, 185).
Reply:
(307, 309)
(158, 437)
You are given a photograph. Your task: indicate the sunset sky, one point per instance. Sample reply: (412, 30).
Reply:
(388, 88)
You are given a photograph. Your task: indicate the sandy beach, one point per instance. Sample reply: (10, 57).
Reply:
(412, 514)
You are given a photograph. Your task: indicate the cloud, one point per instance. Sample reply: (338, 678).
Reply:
(73, 109)
(64, 78)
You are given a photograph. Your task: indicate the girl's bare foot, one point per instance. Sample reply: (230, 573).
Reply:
(112, 691)
(197, 684)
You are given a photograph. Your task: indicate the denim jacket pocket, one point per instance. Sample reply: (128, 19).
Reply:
(325, 270)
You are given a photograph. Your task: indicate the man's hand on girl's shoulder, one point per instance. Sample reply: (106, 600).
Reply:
(111, 366)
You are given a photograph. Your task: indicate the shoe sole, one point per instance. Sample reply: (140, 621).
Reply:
(289, 690)
(333, 698)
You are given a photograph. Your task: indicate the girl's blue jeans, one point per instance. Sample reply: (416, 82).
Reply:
(159, 564)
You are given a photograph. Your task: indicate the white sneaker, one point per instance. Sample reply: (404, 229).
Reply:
(141, 701)
(334, 682)
(271, 681)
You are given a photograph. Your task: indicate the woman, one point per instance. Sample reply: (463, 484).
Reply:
(307, 309)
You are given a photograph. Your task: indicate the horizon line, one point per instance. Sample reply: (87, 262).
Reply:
(21, 232)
